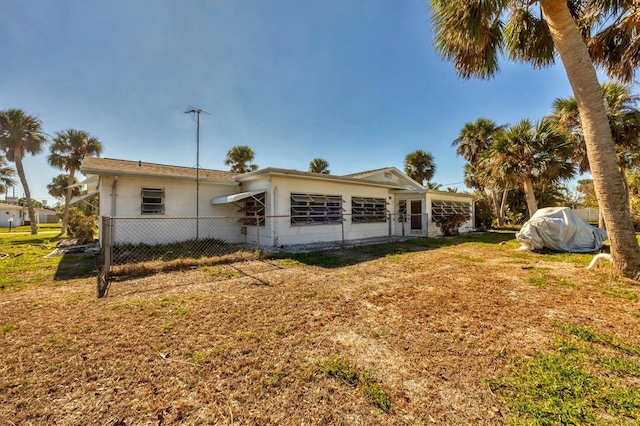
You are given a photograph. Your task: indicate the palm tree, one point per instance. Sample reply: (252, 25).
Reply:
(529, 153)
(475, 138)
(473, 35)
(67, 151)
(20, 134)
(473, 141)
(6, 175)
(239, 158)
(59, 184)
(419, 166)
(319, 165)
(624, 120)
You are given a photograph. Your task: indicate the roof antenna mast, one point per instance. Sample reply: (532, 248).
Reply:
(197, 111)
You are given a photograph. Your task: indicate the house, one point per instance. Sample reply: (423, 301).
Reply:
(11, 213)
(268, 207)
(42, 215)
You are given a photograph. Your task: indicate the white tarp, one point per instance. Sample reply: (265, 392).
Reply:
(558, 228)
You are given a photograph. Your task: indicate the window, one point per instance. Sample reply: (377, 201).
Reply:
(254, 211)
(442, 208)
(152, 201)
(315, 209)
(365, 210)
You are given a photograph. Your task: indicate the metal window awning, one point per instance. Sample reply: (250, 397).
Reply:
(79, 198)
(90, 181)
(233, 198)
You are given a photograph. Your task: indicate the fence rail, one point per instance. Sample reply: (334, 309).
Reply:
(129, 241)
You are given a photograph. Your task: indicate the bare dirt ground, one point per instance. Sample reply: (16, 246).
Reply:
(240, 343)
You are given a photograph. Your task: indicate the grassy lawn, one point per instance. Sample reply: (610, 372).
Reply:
(465, 330)
(23, 264)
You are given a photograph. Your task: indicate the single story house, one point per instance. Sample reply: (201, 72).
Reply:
(11, 211)
(270, 207)
(43, 215)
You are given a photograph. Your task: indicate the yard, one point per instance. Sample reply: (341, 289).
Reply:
(464, 330)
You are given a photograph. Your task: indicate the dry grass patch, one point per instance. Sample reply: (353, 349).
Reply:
(420, 333)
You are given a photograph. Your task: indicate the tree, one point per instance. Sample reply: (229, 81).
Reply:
(419, 166)
(529, 153)
(473, 142)
(58, 186)
(624, 121)
(585, 187)
(21, 134)
(22, 201)
(473, 35)
(68, 149)
(6, 175)
(319, 165)
(239, 158)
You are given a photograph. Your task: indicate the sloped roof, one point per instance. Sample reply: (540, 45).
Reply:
(96, 165)
(10, 206)
(368, 172)
(316, 176)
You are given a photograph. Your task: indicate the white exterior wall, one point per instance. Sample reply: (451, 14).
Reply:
(278, 200)
(178, 222)
(434, 230)
(179, 201)
(589, 215)
(15, 212)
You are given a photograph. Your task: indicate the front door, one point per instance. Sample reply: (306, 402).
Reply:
(416, 215)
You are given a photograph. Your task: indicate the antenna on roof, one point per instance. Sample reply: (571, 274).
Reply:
(196, 112)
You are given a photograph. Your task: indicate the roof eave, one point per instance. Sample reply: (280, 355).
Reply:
(313, 176)
(86, 172)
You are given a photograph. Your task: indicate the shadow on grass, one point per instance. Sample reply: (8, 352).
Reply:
(76, 265)
(340, 257)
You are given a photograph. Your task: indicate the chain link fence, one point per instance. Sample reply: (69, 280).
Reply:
(142, 245)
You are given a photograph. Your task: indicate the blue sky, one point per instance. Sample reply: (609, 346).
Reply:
(356, 82)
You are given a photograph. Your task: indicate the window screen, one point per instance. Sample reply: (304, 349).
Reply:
(365, 209)
(152, 201)
(315, 209)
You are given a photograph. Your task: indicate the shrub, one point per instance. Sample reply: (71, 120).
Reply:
(450, 224)
(81, 226)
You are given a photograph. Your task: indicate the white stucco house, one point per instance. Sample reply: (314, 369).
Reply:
(42, 215)
(290, 207)
(11, 212)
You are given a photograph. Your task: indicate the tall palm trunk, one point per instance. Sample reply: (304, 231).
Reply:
(499, 203)
(495, 197)
(67, 201)
(503, 204)
(17, 158)
(597, 134)
(530, 196)
(625, 182)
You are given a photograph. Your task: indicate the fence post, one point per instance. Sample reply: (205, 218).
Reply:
(342, 226)
(426, 218)
(104, 270)
(390, 218)
(258, 232)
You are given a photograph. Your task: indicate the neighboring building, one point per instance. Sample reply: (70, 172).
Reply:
(13, 211)
(291, 207)
(45, 215)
